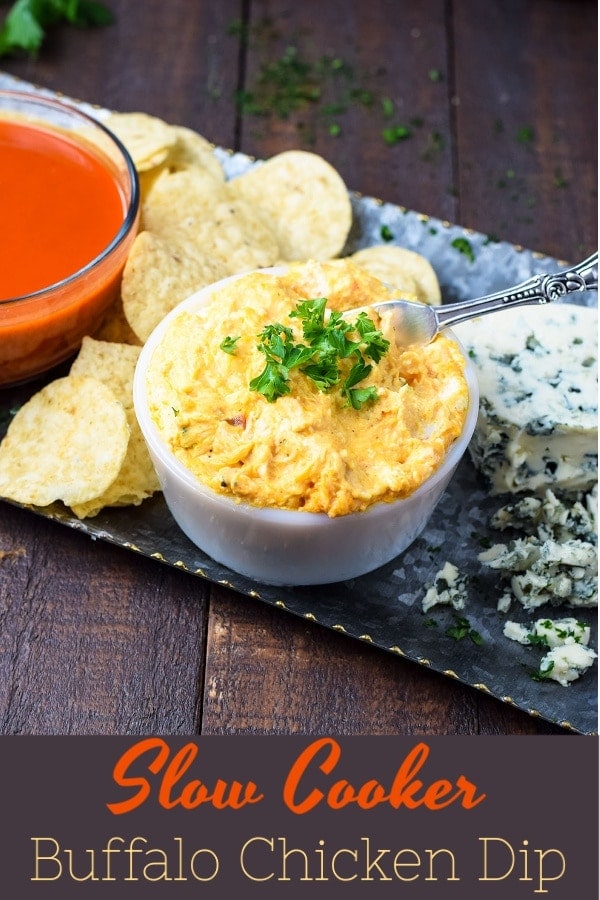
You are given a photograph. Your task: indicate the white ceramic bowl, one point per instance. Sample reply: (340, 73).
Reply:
(288, 547)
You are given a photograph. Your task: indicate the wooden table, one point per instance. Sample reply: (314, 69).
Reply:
(502, 100)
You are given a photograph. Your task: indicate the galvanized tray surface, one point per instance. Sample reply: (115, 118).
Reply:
(384, 607)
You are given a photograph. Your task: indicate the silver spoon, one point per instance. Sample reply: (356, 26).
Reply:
(418, 323)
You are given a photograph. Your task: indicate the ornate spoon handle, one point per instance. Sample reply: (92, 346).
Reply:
(538, 289)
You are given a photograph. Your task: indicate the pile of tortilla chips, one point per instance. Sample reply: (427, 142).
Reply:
(77, 440)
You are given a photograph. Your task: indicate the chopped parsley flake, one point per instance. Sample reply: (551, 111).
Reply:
(462, 629)
(396, 133)
(559, 180)
(543, 674)
(525, 135)
(387, 107)
(463, 246)
(229, 344)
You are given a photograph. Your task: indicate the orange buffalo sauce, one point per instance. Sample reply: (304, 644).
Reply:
(60, 208)
(61, 205)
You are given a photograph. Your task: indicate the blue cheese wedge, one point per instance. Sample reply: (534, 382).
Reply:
(537, 369)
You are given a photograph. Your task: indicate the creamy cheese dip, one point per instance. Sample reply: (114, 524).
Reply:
(308, 450)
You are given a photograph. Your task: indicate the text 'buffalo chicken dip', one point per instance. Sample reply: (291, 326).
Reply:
(267, 395)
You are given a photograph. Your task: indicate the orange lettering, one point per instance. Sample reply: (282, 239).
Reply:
(469, 790)
(298, 769)
(404, 786)
(172, 791)
(122, 766)
(175, 771)
(407, 790)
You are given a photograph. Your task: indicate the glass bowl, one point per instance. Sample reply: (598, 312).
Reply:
(65, 239)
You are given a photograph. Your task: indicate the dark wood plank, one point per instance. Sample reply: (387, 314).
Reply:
(175, 60)
(393, 50)
(94, 640)
(269, 672)
(526, 123)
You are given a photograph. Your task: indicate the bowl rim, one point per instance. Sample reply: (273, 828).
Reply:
(160, 449)
(133, 203)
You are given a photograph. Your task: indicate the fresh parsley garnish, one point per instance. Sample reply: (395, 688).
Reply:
(293, 82)
(229, 344)
(396, 133)
(462, 629)
(335, 352)
(387, 107)
(559, 179)
(463, 246)
(543, 674)
(28, 21)
(525, 135)
(538, 640)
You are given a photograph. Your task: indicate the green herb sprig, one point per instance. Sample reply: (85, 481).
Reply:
(463, 246)
(462, 629)
(28, 21)
(328, 342)
(229, 344)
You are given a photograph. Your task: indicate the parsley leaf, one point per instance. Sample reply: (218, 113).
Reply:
(229, 344)
(396, 133)
(328, 345)
(543, 674)
(27, 21)
(463, 246)
(462, 629)
(376, 346)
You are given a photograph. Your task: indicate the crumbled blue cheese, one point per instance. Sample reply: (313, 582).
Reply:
(557, 559)
(550, 517)
(547, 571)
(566, 641)
(449, 587)
(566, 663)
(549, 632)
(537, 369)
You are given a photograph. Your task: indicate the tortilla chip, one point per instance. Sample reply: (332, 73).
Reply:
(114, 364)
(157, 276)
(148, 138)
(304, 198)
(234, 236)
(191, 151)
(179, 199)
(68, 442)
(406, 270)
(115, 327)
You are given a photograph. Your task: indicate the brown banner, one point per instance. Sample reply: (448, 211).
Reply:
(278, 817)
